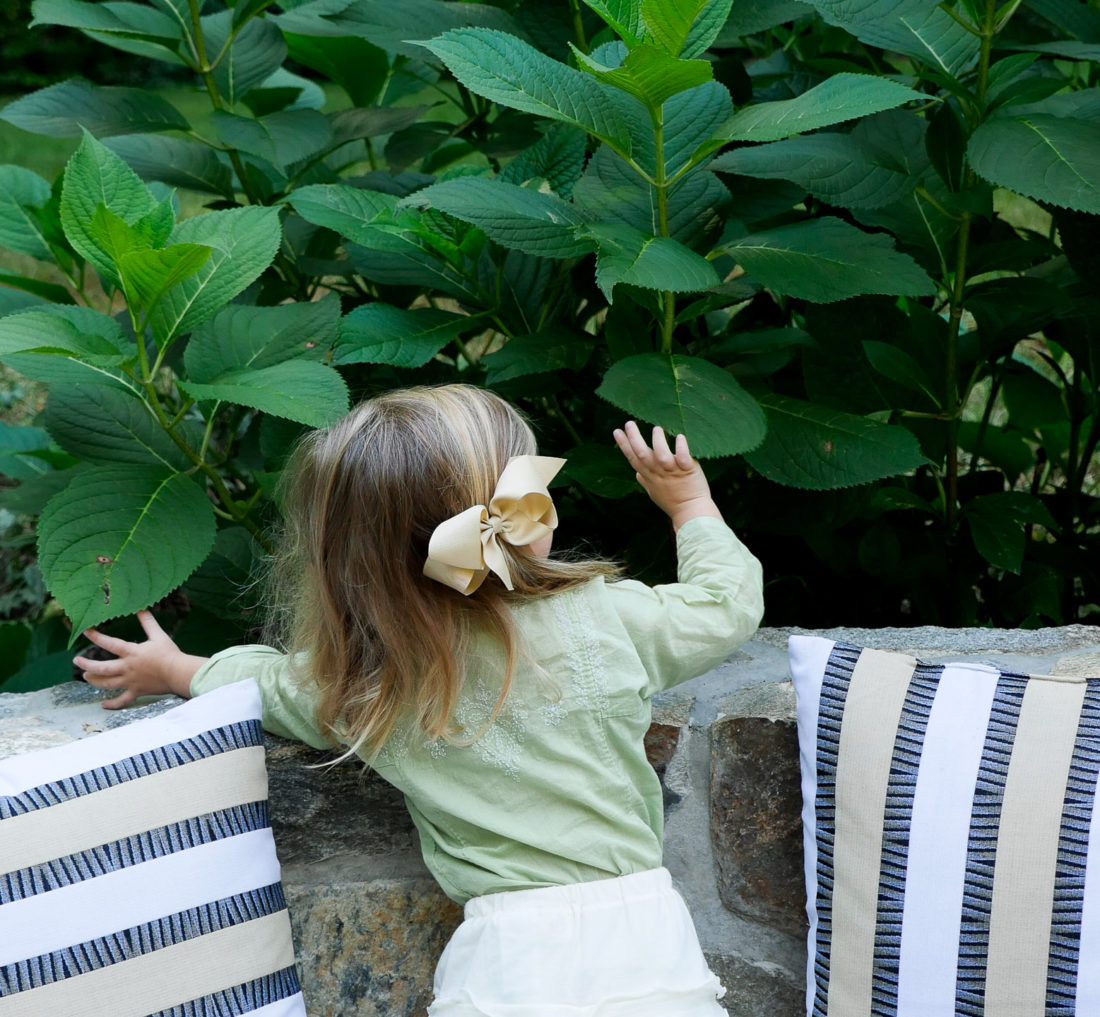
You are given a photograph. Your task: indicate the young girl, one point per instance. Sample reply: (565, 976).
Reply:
(504, 692)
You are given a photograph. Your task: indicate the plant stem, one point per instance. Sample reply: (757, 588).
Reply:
(578, 25)
(668, 323)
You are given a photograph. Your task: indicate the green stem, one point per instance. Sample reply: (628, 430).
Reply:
(661, 184)
(565, 421)
(578, 25)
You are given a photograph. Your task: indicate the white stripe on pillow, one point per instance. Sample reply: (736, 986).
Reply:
(129, 897)
(937, 840)
(233, 704)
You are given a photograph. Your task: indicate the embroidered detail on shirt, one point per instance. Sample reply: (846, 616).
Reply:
(500, 742)
(437, 748)
(583, 652)
(553, 714)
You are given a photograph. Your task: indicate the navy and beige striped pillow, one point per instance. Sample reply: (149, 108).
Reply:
(138, 873)
(947, 812)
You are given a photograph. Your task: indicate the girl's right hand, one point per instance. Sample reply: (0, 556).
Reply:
(673, 480)
(151, 668)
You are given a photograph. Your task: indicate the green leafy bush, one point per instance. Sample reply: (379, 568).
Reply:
(843, 246)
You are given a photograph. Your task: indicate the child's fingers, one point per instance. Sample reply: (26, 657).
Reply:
(111, 644)
(118, 702)
(99, 668)
(638, 445)
(106, 683)
(683, 453)
(150, 624)
(660, 447)
(625, 447)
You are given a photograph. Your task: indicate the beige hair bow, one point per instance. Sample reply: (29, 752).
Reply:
(464, 549)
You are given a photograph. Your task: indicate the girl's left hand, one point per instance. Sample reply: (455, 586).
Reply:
(151, 668)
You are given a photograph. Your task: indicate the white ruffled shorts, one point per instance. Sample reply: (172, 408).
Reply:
(623, 947)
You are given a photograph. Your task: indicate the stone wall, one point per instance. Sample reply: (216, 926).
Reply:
(369, 921)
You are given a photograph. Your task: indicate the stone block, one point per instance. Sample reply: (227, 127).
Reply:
(321, 812)
(756, 807)
(369, 948)
(759, 988)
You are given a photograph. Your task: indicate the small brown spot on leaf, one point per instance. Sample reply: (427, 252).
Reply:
(310, 344)
(106, 593)
(102, 559)
(827, 447)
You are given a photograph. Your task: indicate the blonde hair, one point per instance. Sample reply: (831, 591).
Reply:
(361, 500)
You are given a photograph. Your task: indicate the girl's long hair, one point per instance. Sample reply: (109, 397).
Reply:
(380, 641)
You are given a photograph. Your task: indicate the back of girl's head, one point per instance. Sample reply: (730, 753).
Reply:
(361, 502)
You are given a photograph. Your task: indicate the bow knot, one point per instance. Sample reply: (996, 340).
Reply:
(464, 549)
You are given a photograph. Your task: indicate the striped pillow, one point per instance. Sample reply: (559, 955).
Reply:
(138, 873)
(946, 811)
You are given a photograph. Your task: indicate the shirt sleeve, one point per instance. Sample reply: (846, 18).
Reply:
(288, 704)
(684, 629)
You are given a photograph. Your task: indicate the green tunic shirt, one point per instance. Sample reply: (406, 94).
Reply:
(557, 789)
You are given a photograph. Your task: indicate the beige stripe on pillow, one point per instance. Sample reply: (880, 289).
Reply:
(1027, 848)
(193, 789)
(166, 977)
(872, 711)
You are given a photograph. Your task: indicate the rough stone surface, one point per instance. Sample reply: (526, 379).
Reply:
(319, 813)
(756, 804)
(933, 639)
(758, 988)
(369, 948)
(1082, 665)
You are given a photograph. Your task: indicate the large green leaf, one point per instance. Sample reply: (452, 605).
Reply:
(65, 344)
(396, 27)
(919, 28)
(305, 391)
(553, 349)
(240, 337)
(557, 157)
(838, 98)
(119, 538)
(174, 161)
(997, 526)
(515, 217)
(64, 331)
(611, 191)
(627, 255)
(821, 449)
(20, 191)
(63, 110)
(708, 24)
(96, 176)
(668, 22)
(514, 74)
(751, 16)
(827, 259)
(244, 242)
(105, 425)
(14, 443)
(369, 122)
(357, 66)
(148, 275)
(115, 238)
(624, 16)
(686, 395)
(877, 164)
(348, 210)
(221, 583)
(280, 138)
(377, 333)
(255, 53)
(127, 20)
(649, 74)
(1051, 159)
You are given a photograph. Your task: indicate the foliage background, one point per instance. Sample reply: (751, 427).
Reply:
(869, 300)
